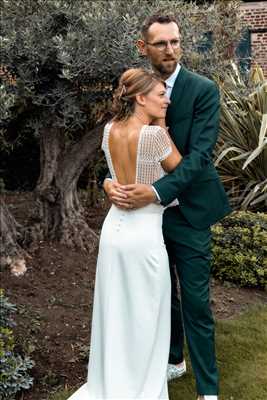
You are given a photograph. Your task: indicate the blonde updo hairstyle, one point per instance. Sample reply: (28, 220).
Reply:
(134, 81)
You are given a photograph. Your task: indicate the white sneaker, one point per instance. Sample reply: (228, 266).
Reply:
(207, 397)
(175, 371)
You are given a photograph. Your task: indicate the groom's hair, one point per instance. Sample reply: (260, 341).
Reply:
(161, 19)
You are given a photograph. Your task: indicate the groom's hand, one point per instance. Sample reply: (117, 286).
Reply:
(129, 196)
(139, 195)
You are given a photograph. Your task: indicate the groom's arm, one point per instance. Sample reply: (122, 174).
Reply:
(203, 137)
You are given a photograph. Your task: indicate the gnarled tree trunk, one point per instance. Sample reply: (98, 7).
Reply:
(60, 213)
(11, 237)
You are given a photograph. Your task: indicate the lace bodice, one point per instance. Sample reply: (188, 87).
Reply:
(153, 147)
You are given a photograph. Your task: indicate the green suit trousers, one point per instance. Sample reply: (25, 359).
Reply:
(189, 255)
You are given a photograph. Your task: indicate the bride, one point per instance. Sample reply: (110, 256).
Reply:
(130, 334)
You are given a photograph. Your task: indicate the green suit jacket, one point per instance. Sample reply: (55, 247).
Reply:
(193, 121)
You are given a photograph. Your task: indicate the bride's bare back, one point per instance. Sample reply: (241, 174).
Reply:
(135, 155)
(123, 144)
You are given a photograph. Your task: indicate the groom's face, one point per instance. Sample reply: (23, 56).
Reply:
(162, 47)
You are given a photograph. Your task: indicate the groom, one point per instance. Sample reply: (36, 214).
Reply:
(193, 119)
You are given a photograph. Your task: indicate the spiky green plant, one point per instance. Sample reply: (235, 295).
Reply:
(241, 152)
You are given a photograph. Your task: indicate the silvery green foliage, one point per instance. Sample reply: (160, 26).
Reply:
(14, 375)
(66, 55)
(7, 309)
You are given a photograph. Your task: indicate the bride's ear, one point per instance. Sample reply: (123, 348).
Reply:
(140, 100)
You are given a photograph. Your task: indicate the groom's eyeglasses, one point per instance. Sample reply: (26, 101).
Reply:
(162, 45)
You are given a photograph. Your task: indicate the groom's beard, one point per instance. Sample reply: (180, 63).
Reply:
(166, 67)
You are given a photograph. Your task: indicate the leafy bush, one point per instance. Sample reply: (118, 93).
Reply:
(13, 367)
(242, 147)
(240, 249)
(6, 310)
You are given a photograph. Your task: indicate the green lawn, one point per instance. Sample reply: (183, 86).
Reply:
(242, 359)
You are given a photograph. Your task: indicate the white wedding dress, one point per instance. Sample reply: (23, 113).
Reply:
(130, 335)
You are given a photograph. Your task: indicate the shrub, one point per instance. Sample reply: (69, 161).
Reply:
(13, 367)
(6, 310)
(240, 249)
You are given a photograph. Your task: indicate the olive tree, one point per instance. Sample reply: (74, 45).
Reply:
(63, 59)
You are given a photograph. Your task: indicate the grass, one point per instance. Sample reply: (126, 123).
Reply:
(242, 361)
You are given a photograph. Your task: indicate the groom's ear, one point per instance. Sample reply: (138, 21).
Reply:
(141, 45)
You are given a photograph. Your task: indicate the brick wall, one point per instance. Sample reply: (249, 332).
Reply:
(254, 14)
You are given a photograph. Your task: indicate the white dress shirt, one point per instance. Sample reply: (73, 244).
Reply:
(171, 80)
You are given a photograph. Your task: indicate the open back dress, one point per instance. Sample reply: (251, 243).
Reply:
(130, 335)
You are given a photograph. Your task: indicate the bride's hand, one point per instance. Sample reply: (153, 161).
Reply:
(115, 193)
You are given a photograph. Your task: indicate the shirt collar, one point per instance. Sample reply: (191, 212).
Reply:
(172, 78)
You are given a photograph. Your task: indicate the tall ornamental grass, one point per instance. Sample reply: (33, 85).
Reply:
(241, 153)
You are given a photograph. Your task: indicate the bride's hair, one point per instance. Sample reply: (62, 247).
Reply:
(134, 81)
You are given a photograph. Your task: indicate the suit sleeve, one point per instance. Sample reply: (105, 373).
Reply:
(203, 137)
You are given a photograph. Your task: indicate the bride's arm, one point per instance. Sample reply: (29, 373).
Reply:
(175, 157)
(171, 162)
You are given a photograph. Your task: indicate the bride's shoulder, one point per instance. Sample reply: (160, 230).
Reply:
(156, 131)
(153, 128)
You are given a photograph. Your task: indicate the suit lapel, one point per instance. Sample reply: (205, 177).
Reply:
(177, 92)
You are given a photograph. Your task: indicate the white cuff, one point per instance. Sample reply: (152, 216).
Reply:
(156, 193)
